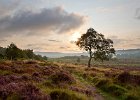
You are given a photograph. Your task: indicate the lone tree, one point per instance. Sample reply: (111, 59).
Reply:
(97, 45)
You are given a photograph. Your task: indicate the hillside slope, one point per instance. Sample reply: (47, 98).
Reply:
(34, 80)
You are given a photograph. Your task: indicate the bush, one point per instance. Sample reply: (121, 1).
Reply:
(62, 77)
(124, 77)
(116, 90)
(131, 97)
(107, 86)
(49, 70)
(88, 92)
(14, 96)
(24, 91)
(65, 95)
(31, 62)
(102, 82)
(48, 83)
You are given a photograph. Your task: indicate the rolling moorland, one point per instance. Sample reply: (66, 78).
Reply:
(128, 54)
(69, 49)
(68, 78)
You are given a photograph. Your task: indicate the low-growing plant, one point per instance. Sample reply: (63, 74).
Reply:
(62, 77)
(131, 97)
(66, 95)
(102, 82)
(14, 96)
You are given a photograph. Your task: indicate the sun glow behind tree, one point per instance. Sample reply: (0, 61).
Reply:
(75, 36)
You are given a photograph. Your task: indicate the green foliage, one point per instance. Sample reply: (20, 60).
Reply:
(96, 44)
(62, 77)
(2, 52)
(28, 53)
(131, 97)
(102, 82)
(14, 96)
(12, 52)
(66, 95)
(113, 89)
(5, 72)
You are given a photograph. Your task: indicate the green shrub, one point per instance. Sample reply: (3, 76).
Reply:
(102, 82)
(106, 86)
(5, 72)
(62, 77)
(65, 95)
(48, 83)
(14, 97)
(116, 90)
(131, 97)
(95, 80)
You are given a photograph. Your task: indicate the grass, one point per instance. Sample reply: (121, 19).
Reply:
(5, 72)
(65, 94)
(14, 96)
(107, 86)
(59, 77)
(60, 93)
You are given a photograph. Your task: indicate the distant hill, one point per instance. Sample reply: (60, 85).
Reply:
(130, 53)
(58, 54)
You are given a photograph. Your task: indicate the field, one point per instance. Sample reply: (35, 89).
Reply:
(64, 80)
(82, 60)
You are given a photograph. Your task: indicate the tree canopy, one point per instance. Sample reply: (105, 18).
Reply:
(96, 44)
(12, 52)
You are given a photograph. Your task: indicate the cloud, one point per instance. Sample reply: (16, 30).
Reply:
(126, 43)
(119, 41)
(53, 20)
(7, 7)
(37, 46)
(62, 47)
(54, 40)
(136, 45)
(3, 40)
(109, 9)
(137, 14)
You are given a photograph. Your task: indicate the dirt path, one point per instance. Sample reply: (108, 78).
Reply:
(96, 95)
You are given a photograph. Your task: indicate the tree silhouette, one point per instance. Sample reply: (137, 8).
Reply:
(97, 45)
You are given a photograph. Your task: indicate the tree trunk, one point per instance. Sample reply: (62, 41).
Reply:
(90, 57)
(89, 62)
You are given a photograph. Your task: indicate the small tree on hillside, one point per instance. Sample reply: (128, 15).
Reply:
(96, 44)
(29, 53)
(13, 52)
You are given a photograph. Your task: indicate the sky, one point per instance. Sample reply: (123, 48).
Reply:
(53, 25)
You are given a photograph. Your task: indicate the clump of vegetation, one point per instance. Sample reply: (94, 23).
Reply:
(111, 88)
(126, 77)
(102, 83)
(31, 62)
(80, 90)
(21, 90)
(131, 97)
(12, 52)
(66, 95)
(62, 77)
(31, 92)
